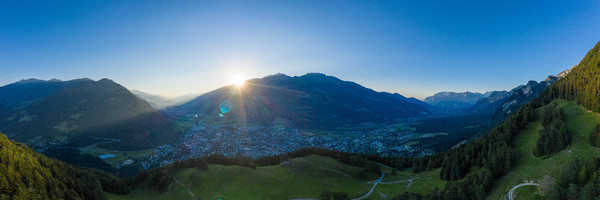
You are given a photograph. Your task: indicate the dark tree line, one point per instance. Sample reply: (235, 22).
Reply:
(595, 136)
(327, 195)
(554, 136)
(577, 181)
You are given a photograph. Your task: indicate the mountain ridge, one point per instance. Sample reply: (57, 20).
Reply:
(310, 100)
(79, 108)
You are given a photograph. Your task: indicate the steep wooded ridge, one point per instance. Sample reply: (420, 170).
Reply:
(581, 84)
(26, 174)
(310, 101)
(81, 110)
(488, 158)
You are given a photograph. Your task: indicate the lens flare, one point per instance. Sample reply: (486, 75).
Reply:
(225, 107)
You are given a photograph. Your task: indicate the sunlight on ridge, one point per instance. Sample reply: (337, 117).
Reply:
(238, 80)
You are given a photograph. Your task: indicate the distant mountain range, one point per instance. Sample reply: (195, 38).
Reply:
(311, 101)
(454, 100)
(499, 103)
(36, 111)
(160, 102)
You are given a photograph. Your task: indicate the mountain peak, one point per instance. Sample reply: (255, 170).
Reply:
(564, 73)
(30, 80)
(313, 76)
(106, 80)
(552, 78)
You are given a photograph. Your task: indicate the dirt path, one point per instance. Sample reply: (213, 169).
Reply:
(336, 171)
(410, 181)
(109, 140)
(186, 187)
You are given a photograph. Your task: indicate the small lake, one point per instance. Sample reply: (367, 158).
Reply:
(105, 156)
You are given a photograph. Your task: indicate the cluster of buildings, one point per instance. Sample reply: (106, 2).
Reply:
(258, 141)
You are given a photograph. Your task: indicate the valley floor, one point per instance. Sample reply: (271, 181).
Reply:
(307, 176)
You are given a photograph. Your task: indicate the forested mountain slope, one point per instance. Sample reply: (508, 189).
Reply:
(26, 174)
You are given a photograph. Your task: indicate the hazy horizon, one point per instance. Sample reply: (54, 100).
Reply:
(412, 48)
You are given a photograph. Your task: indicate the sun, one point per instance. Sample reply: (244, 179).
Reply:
(238, 80)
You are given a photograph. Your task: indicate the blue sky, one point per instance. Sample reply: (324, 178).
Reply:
(415, 48)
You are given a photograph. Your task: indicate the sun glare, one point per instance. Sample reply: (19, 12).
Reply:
(238, 80)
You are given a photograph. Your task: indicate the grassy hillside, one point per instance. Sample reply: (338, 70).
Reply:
(305, 177)
(528, 167)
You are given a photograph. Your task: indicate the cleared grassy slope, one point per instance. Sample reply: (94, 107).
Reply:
(305, 177)
(528, 167)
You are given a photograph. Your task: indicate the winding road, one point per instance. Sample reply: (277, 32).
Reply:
(372, 188)
(410, 181)
(512, 190)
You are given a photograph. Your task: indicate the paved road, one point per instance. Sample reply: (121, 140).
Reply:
(374, 184)
(512, 190)
(372, 188)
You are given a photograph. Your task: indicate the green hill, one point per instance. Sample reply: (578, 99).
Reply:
(305, 177)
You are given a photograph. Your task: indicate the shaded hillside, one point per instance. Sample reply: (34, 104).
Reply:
(80, 110)
(26, 174)
(502, 103)
(155, 101)
(161, 102)
(521, 95)
(309, 101)
(28, 91)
